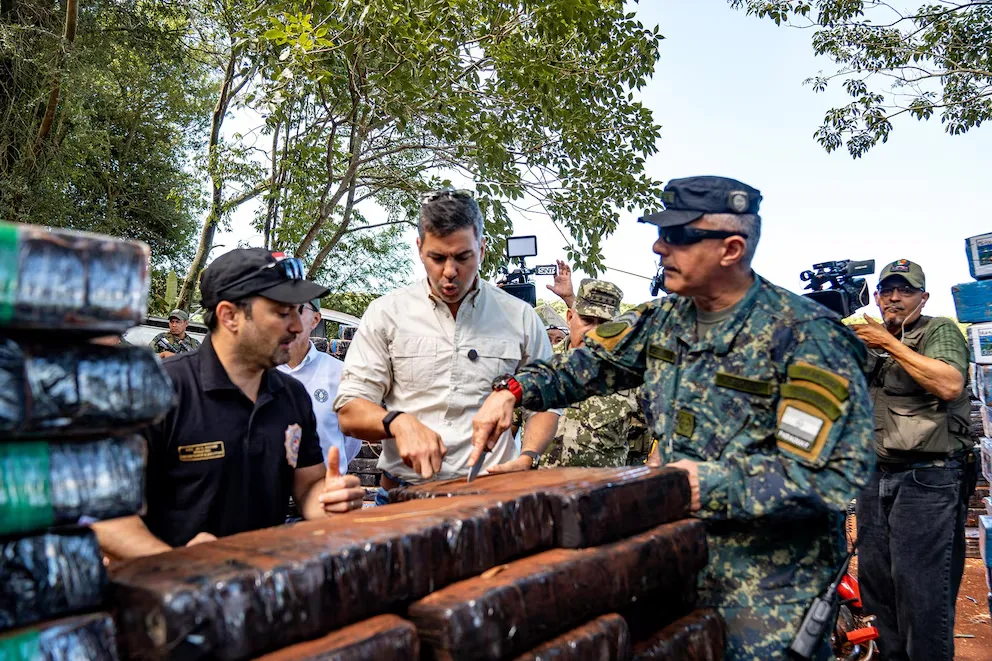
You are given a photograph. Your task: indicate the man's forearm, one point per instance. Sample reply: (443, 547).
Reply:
(935, 376)
(539, 432)
(310, 506)
(128, 537)
(362, 419)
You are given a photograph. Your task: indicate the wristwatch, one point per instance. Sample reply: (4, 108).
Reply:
(507, 382)
(388, 419)
(535, 457)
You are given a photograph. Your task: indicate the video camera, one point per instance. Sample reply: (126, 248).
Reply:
(519, 282)
(835, 285)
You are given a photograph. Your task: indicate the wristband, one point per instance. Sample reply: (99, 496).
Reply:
(392, 415)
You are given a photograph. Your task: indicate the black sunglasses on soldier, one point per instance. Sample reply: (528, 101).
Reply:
(683, 235)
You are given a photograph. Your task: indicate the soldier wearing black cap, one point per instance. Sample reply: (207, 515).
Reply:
(242, 437)
(757, 393)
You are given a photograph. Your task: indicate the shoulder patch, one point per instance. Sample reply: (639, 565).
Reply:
(812, 397)
(611, 329)
(835, 384)
(615, 330)
(744, 384)
(802, 431)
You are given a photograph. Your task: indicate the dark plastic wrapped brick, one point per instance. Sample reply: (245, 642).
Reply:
(50, 575)
(71, 281)
(44, 484)
(79, 389)
(591, 506)
(544, 595)
(83, 638)
(255, 592)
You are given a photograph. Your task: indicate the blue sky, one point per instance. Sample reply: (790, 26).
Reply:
(729, 97)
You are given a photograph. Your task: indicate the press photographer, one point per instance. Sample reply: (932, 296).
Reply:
(911, 514)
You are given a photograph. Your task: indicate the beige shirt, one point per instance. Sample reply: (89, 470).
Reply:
(411, 355)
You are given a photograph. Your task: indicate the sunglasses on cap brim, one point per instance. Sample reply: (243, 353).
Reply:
(290, 267)
(683, 235)
(460, 193)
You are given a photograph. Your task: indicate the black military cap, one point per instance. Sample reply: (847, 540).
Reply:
(247, 271)
(689, 199)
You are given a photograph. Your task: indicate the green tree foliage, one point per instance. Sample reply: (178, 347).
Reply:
(892, 61)
(126, 105)
(372, 101)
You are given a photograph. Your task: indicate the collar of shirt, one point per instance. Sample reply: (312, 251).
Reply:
(307, 359)
(718, 342)
(213, 376)
(471, 297)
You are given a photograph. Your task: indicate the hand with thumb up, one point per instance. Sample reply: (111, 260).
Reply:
(342, 493)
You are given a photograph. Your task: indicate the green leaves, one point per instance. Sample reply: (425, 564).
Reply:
(531, 101)
(938, 58)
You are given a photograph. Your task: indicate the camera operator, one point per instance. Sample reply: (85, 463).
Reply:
(733, 369)
(911, 515)
(430, 352)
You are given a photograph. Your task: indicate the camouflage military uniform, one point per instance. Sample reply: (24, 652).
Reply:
(593, 432)
(175, 345)
(772, 405)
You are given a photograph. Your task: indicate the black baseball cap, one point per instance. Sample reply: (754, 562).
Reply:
(691, 198)
(256, 271)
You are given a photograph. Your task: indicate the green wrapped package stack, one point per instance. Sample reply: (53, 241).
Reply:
(44, 484)
(71, 281)
(89, 637)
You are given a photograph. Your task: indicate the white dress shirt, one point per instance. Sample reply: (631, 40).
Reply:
(411, 355)
(320, 374)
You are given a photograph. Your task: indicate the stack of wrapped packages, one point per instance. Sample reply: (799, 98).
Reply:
(68, 412)
(366, 467)
(973, 305)
(572, 563)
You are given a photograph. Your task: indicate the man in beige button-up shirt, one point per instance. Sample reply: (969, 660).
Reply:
(430, 352)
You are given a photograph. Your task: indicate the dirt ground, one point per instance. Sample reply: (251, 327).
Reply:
(972, 618)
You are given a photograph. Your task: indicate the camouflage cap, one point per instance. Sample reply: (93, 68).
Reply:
(911, 272)
(598, 298)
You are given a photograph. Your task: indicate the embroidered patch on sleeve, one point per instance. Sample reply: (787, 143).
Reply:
(820, 400)
(835, 384)
(802, 430)
(610, 334)
(294, 435)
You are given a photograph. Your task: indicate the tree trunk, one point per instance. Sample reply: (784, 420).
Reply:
(69, 35)
(217, 196)
(341, 231)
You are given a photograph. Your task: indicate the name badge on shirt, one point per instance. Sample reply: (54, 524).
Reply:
(202, 451)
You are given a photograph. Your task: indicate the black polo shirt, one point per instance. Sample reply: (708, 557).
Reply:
(219, 463)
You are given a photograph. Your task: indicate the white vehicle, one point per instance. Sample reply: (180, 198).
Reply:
(142, 335)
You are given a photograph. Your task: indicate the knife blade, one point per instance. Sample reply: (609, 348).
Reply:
(477, 466)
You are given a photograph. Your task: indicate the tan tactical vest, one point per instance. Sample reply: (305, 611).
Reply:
(910, 423)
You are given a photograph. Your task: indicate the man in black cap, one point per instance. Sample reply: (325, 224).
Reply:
(242, 437)
(918, 373)
(757, 393)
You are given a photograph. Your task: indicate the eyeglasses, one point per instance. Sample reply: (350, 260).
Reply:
(304, 306)
(683, 235)
(461, 193)
(904, 290)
